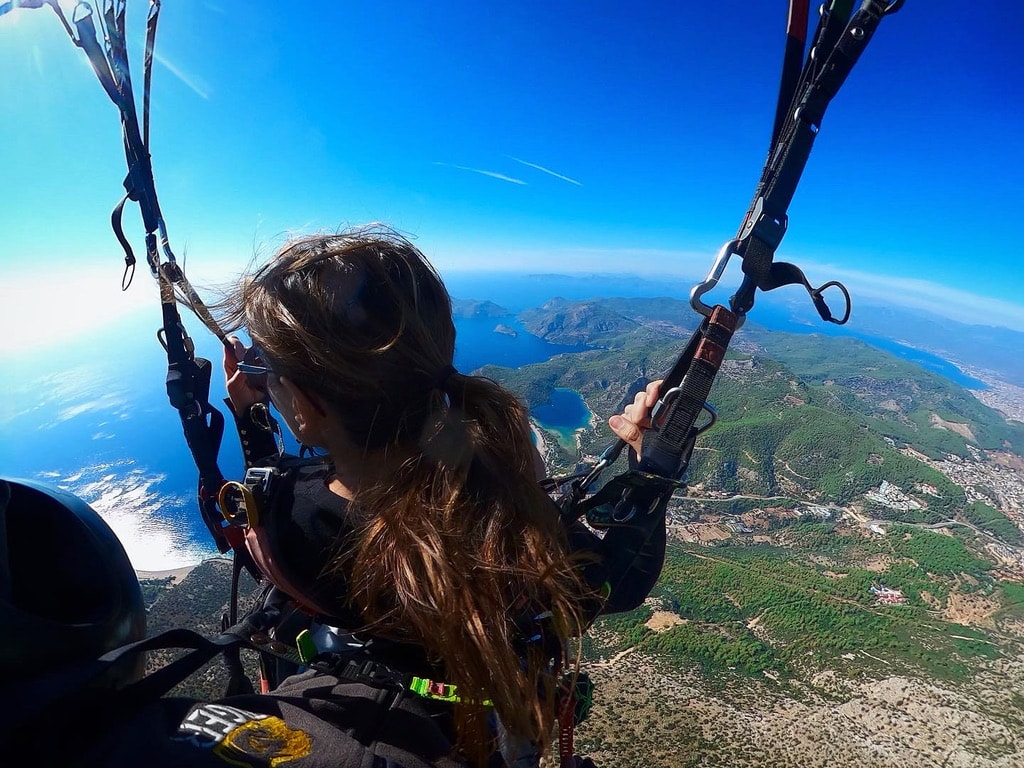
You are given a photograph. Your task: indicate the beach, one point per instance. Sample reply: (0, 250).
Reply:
(538, 439)
(175, 574)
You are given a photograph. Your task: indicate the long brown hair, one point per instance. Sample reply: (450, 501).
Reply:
(461, 540)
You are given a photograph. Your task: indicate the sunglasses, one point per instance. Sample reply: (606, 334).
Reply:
(254, 367)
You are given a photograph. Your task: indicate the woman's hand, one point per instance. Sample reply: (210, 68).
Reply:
(636, 417)
(242, 393)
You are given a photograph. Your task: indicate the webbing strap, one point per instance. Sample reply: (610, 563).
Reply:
(188, 377)
(566, 728)
(29, 702)
(838, 45)
(665, 445)
(796, 34)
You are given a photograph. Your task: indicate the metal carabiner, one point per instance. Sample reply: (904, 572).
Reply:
(717, 270)
(237, 504)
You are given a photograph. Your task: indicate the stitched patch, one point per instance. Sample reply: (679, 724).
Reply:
(243, 738)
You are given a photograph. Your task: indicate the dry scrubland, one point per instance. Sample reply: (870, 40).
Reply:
(646, 714)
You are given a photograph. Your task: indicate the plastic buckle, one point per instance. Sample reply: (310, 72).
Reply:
(257, 479)
(374, 674)
(439, 689)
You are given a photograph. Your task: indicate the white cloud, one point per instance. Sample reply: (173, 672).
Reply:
(37, 310)
(75, 391)
(145, 521)
(943, 300)
(107, 403)
(643, 262)
(954, 303)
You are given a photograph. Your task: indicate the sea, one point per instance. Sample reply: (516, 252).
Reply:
(93, 417)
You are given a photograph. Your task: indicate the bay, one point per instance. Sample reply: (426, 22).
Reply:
(478, 344)
(563, 413)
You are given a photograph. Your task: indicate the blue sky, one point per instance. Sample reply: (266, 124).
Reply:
(610, 137)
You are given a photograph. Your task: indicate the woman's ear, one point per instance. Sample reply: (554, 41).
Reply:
(308, 414)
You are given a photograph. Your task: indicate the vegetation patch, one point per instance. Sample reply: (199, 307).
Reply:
(757, 608)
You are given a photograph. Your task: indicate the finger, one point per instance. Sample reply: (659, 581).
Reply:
(652, 392)
(230, 358)
(626, 429)
(637, 411)
(233, 356)
(638, 414)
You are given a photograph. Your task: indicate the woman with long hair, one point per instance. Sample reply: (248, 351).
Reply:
(443, 537)
(426, 597)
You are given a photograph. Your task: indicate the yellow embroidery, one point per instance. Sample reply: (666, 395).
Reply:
(265, 742)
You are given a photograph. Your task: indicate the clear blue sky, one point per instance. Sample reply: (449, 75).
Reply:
(543, 135)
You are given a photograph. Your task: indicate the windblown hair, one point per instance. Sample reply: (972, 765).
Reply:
(461, 541)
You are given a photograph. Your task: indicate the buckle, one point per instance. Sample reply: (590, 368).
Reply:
(374, 674)
(439, 689)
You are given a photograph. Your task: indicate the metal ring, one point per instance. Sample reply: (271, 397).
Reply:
(240, 510)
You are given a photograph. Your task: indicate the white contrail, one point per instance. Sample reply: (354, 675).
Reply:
(199, 90)
(546, 170)
(492, 174)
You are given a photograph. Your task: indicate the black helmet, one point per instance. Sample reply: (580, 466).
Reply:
(68, 592)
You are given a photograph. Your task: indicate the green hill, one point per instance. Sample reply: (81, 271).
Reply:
(800, 417)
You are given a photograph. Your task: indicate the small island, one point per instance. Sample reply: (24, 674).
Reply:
(508, 331)
(468, 308)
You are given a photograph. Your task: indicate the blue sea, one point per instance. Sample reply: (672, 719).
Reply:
(94, 418)
(781, 318)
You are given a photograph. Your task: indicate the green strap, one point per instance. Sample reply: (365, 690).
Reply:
(429, 689)
(306, 646)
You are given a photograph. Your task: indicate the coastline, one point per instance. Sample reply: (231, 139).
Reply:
(1001, 395)
(175, 574)
(568, 439)
(538, 440)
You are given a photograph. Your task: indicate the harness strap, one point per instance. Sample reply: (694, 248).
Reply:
(665, 448)
(669, 443)
(147, 65)
(188, 377)
(837, 48)
(566, 731)
(796, 34)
